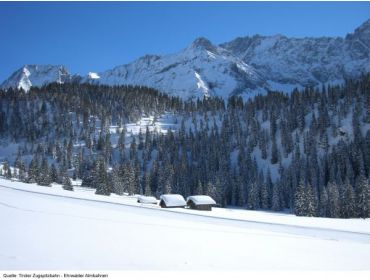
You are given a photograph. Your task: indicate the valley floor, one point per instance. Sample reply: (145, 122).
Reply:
(48, 228)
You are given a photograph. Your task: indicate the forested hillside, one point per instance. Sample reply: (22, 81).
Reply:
(307, 151)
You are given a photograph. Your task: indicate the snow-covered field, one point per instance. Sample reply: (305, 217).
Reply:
(49, 228)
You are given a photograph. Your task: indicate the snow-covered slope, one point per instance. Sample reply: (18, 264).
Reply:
(201, 69)
(36, 75)
(79, 230)
(244, 66)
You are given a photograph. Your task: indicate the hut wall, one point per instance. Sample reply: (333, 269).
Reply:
(204, 207)
(163, 204)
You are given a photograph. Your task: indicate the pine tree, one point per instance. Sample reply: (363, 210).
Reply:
(253, 197)
(54, 174)
(101, 178)
(33, 171)
(117, 181)
(333, 200)
(214, 191)
(363, 197)
(7, 171)
(348, 209)
(274, 152)
(276, 206)
(67, 184)
(310, 202)
(264, 196)
(147, 189)
(198, 188)
(323, 205)
(133, 149)
(167, 187)
(129, 178)
(44, 179)
(168, 178)
(300, 203)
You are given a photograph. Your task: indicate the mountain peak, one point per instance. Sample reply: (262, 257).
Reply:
(202, 43)
(365, 25)
(363, 29)
(359, 40)
(36, 75)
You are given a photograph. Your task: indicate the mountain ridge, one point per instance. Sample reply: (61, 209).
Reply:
(244, 66)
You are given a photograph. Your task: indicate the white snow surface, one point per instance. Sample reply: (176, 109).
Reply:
(201, 84)
(173, 200)
(47, 228)
(93, 75)
(201, 199)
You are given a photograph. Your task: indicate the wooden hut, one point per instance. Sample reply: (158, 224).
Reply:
(172, 201)
(200, 202)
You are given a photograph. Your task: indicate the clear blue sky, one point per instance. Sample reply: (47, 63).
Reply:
(97, 36)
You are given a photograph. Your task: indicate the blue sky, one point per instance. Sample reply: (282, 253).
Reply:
(97, 36)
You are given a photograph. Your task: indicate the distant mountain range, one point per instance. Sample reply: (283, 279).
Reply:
(244, 66)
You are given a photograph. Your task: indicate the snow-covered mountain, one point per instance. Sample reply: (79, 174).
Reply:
(244, 66)
(201, 69)
(306, 61)
(37, 75)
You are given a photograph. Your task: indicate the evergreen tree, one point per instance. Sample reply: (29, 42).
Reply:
(333, 200)
(363, 197)
(264, 197)
(311, 202)
(6, 170)
(276, 206)
(324, 200)
(274, 152)
(33, 171)
(117, 181)
(348, 209)
(300, 201)
(129, 178)
(253, 197)
(147, 189)
(101, 178)
(43, 178)
(67, 184)
(198, 188)
(54, 174)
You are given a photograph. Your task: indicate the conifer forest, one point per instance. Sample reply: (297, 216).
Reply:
(307, 152)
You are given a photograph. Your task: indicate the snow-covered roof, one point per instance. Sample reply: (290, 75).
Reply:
(173, 200)
(201, 199)
(146, 199)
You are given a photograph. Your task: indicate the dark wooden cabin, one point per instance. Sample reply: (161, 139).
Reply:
(172, 201)
(200, 202)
